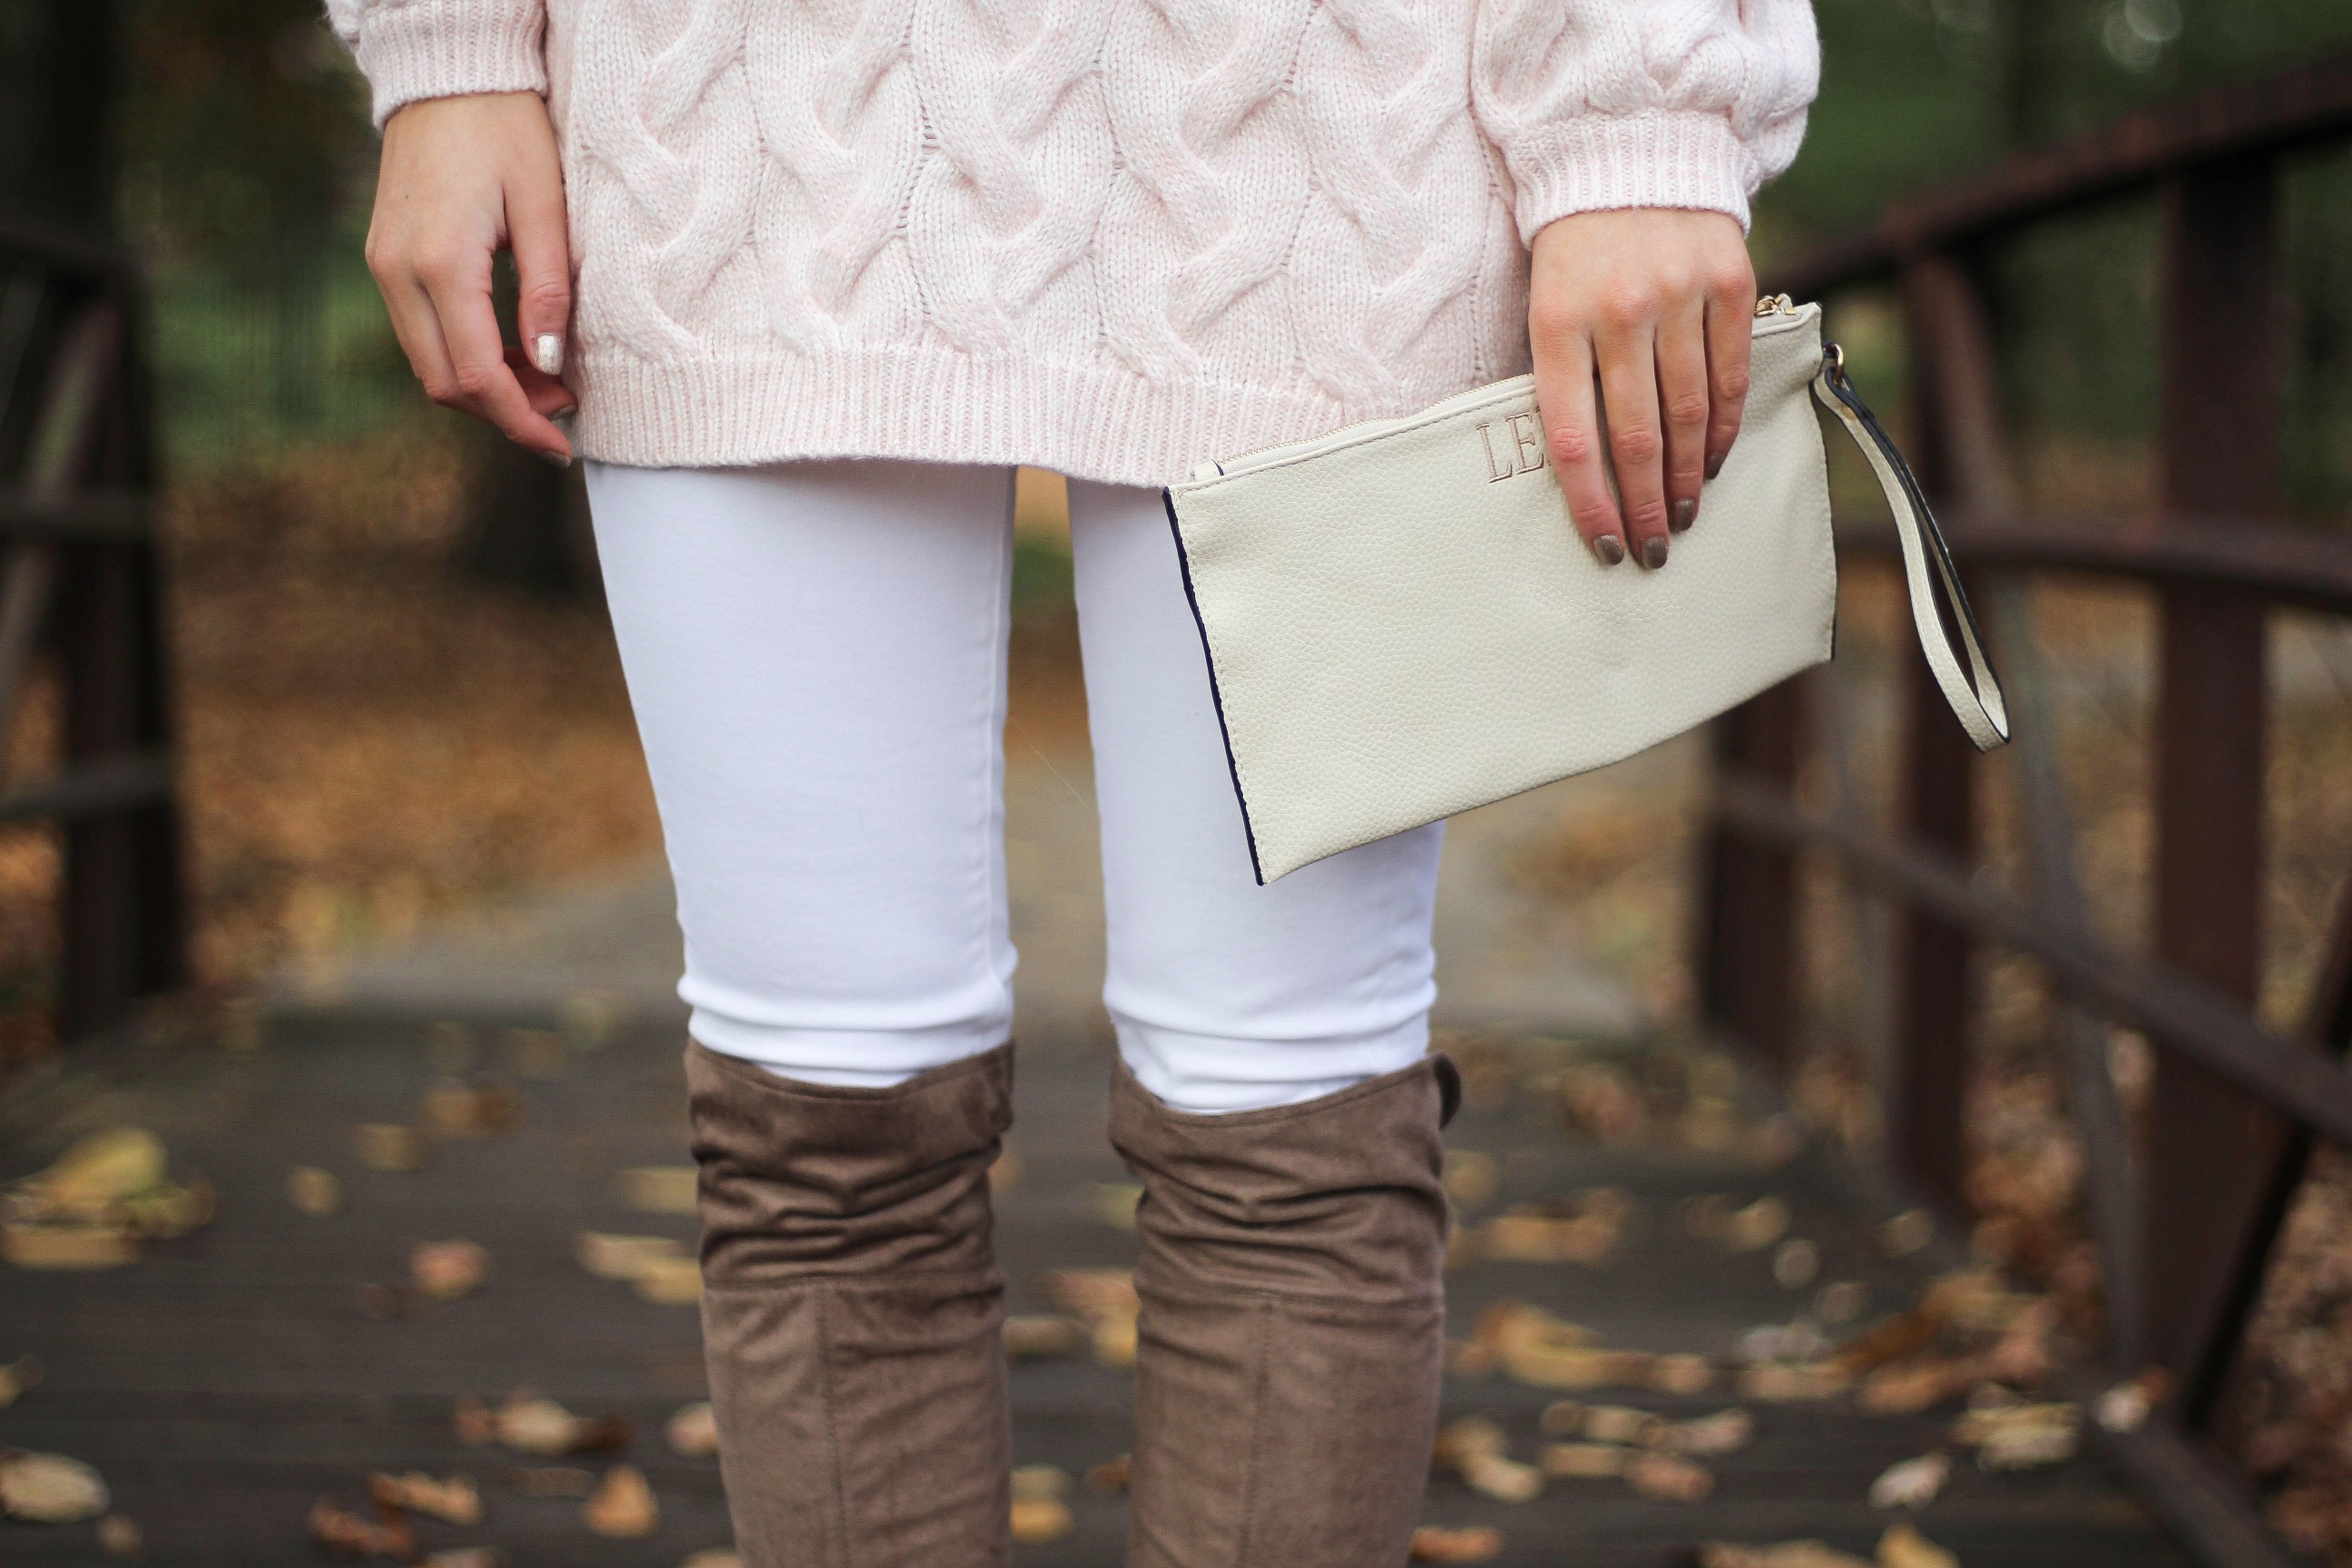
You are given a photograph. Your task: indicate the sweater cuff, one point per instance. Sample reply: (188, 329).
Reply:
(446, 48)
(1660, 158)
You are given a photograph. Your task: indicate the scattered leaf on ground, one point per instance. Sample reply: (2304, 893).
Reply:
(1037, 1520)
(531, 1424)
(1903, 1547)
(456, 1109)
(18, 1378)
(1906, 1233)
(339, 1530)
(714, 1557)
(1503, 1478)
(1110, 1476)
(118, 1535)
(1796, 1263)
(1005, 1170)
(623, 1506)
(1784, 1554)
(1777, 1383)
(31, 1245)
(1471, 1178)
(657, 1189)
(446, 1270)
(1040, 1481)
(1434, 1544)
(1113, 1203)
(2125, 1407)
(1584, 1461)
(1911, 1483)
(1707, 1437)
(48, 1488)
(611, 1256)
(314, 1191)
(693, 1431)
(538, 1054)
(1668, 1478)
(1042, 1336)
(456, 1501)
(466, 1557)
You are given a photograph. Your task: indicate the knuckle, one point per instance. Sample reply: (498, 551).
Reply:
(1687, 408)
(1733, 277)
(550, 294)
(1647, 515)
(1627, 305)
(1550, 324)
(1634, 445)
(1572, 446)
(472, 381)
(1731, 384)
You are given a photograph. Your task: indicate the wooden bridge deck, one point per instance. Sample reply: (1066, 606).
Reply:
(233, 1377)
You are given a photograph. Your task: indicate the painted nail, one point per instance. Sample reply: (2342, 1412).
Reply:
(1686, 513)
(1714, 464)
(546, 352)
(1609, 548)
(1653, 551)
(553, 460)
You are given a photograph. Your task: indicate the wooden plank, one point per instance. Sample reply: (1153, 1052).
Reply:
(1746, 938)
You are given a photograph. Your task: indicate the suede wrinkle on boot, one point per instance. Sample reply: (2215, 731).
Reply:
(1292, 1336)
(853, 1313)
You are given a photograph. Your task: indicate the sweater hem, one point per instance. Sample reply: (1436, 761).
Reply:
(1664, 158)
(449, 49)
(934, 404)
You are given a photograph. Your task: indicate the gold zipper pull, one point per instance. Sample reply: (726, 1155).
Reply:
(1775, 305)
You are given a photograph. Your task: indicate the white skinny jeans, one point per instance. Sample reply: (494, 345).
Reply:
(816, 655)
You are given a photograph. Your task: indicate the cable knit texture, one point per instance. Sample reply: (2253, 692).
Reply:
(1108, 237)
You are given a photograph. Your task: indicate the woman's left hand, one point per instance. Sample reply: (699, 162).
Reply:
(1657, 305)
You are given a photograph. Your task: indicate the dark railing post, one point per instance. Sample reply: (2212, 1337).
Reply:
(1927, 1098)
(1747, 909)
(2217, 1144)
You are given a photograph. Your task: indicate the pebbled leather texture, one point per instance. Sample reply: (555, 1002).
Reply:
(1402, 622)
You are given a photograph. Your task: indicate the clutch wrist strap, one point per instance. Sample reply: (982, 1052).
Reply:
(1974, 692)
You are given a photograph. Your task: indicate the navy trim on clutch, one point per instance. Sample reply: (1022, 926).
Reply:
(1216, 697)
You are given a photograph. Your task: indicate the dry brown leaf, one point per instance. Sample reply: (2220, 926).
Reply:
(2008, 1434)
(657, 1189)
(118, 1535)
(456, 1109)
(466, 1557)
(1005, 1170)
(94, 1175)
(1682, 1373)
(1464, 1438)
(693, 1431)
(18, 1378)
(390, 1146)
(1707, 1437)
(1903, 1547)
(714, 1557)
(1668, 1478)
(1619, 1423)
(336, 1528)
(1502, 1478)
(1776, 1383)
(48, 1488)
(314, 1191)
(1468, 1358)
(623, 1506)
(1783, 1554)
(2125, 1407)
(1032, 1481)
(532, 1425)
(1042, 1336)
(669, 1281)
(1116, 1341)
(1909, 1387)
(612, 1256)
(1888, 1340)
(474, 1422)
(1114, 1203)
(1471, 1178)
(30, 1245)
(1090, 1293)
(1111, 1476)
(446, 1270)
(455, 1500)
(1583, 1461)
(1037, 1520)
(1756, 1226)
(1911, 1483)
(1796, 1263)
(1906, 1233)
(1434, 1544)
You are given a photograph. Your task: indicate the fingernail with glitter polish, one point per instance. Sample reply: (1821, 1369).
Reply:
(553, 460)
(546, 352)
(1653, 551)
(1609, 548)
(1686, 513)
(1714, 464)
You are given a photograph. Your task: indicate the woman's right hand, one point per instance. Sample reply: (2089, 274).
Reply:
(463, 178)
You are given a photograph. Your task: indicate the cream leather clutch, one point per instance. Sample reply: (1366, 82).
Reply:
(1402, 622)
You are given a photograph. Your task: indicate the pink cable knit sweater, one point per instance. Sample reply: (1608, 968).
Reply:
(1106, 236)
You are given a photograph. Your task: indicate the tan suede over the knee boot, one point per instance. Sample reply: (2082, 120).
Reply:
(853, 1313)
(1293, 1325)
